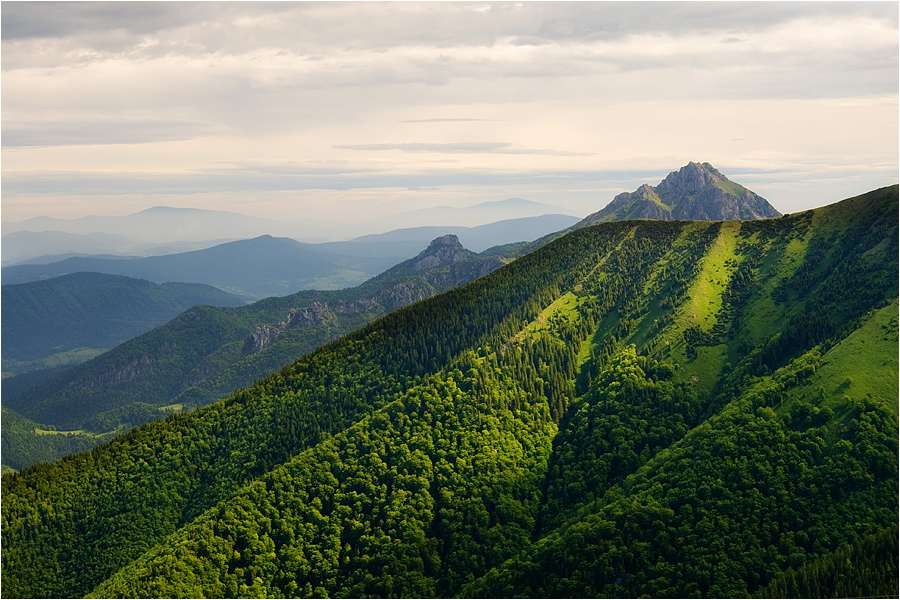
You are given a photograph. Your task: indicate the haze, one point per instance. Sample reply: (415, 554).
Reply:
(350, 111)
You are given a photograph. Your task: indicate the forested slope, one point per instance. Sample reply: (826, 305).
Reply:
(639, 407)
(208, 352)
(92, 310)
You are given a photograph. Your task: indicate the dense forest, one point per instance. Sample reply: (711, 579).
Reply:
(90, 310)
(638, 408)
(208, 352)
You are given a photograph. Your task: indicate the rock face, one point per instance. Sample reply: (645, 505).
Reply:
(262, 337)
(404, 294)
(122, 373)
(697, 191)
(315, 315)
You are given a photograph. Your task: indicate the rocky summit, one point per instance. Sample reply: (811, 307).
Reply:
(697, 191)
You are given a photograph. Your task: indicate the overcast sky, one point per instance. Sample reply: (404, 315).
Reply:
(352, 110)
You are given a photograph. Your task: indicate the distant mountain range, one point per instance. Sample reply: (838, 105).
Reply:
(267, 266)
(162, 224)
(41, 247)
(256, 268)
(482, 237)
(165, 226)
(470, 216)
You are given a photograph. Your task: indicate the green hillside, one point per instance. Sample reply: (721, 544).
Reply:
(26, 442)
(86, 311)
(638, 408)
(207, 353)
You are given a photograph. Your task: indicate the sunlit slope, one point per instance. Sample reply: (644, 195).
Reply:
(434, 450)
(784, 473)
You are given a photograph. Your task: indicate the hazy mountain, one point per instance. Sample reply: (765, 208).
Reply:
(696, 192)
(482, 237)
(256, 268)
(90, 311)
(267, 266)
(643, 408)
(470, 216)
(163, 225)
(52, 246)
(209, 352)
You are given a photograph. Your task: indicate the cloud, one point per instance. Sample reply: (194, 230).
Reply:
(446, 120)
(279, 177)
(79, 132)
(160, 95)
(272, 178)
(212, 25)
(460, 148)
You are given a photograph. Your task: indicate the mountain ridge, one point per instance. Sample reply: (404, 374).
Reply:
(414, 457)
(168, 225)
(280, 266)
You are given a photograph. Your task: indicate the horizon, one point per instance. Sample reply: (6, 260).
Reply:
(505, 201)
(348, 112)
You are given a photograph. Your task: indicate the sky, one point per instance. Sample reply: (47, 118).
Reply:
(350, 111)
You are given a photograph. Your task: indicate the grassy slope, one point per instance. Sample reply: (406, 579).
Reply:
(864, 364)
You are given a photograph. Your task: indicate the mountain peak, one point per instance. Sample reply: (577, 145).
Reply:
(692, 178)
(442, 251)
(449, 240)
(445, 250)
(697, 191)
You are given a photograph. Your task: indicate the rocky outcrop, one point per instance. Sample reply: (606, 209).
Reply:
(262, 337)
(715, 204)
(122, 373)
(463, 274)
(690, 180)
(404, 294)
(315, 315)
